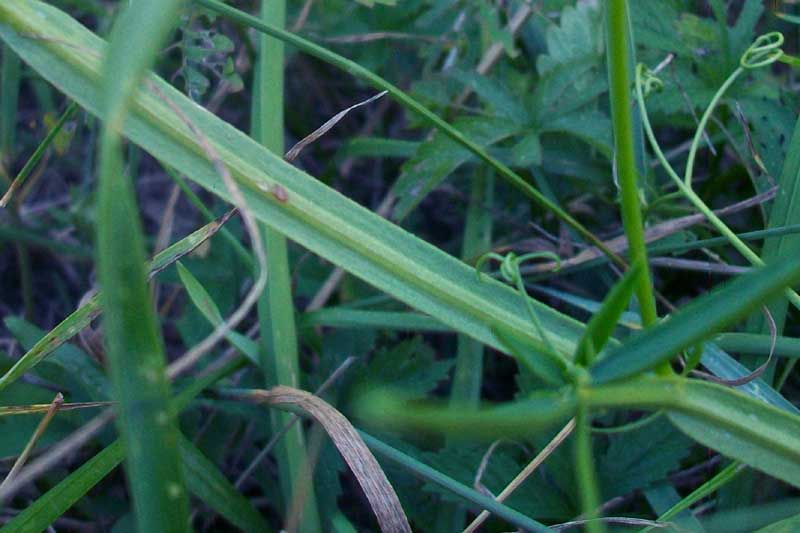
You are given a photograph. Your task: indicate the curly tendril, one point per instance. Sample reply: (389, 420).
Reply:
(510, 272)
(765, 50)
(650, 82)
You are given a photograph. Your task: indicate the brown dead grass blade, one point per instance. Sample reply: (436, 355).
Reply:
(379, 492)
(295, 150)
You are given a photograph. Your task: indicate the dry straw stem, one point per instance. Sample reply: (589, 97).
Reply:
(56, 454)
(524, 474)
(362, 463)
(52, 409)
(295, 150)
(347, 363)
(659, 231)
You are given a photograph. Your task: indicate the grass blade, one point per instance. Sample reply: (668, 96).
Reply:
(132, 337)
(279, 356)
(209, 484)
(206, 305)
(697, 321)
(41, 513)
(478, 500)
(602, 324)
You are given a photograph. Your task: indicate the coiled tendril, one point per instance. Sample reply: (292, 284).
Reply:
(510, 272)
(650, 82)
(765, 50)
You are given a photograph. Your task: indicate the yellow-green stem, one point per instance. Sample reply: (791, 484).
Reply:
(620, 83)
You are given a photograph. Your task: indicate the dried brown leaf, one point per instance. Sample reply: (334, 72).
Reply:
(379, 492)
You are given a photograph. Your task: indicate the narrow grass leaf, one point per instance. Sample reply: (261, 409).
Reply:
(476, 499)
(340, 317)
(279, 354)
(209, 484)
(602, 324)
(206, 305)
(134, 345)
(697, 321)
(37, 155)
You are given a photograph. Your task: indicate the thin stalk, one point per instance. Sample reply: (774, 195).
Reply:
(585, 472)
(413, 105)
(37, 155)
(468, 372)
(618, 51)
(279, 353)
(426, 473)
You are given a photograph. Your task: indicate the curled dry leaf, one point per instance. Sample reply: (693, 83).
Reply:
(362, 463)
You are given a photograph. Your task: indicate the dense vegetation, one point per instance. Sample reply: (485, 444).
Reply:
(347, 265)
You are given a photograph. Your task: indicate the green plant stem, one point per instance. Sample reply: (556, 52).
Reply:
(413, 105)
(618, 58)
(759, 344)
(279, 351)
(585, 472)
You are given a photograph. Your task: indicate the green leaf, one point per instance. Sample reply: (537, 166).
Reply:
(577, 36)
(787, 525)
(785, 211)
(410, 365)
(527, 151)
(203, 301)
(48, 507)
(602, 324)
(743, 428)
(439, 157)
(473, 497)
(592, 127)
(532, 358)
(342, 317)
(501, 101)
(43, 511)
(75, 362)
(697, 321)
(640, 457)
(210, 485)
(83, 316)
(200, 297)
